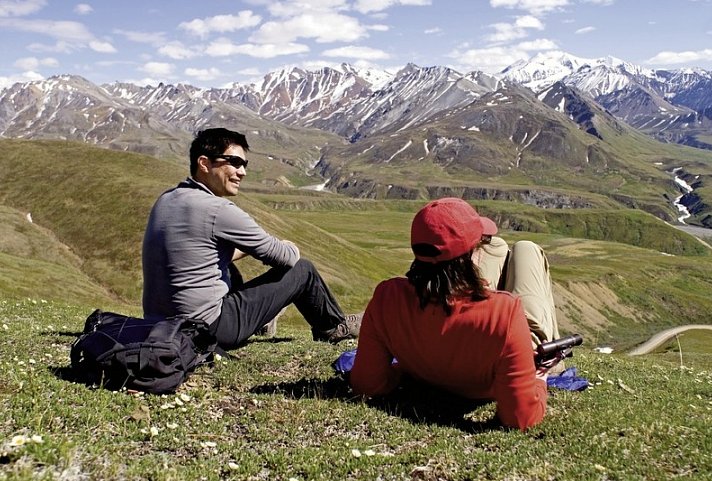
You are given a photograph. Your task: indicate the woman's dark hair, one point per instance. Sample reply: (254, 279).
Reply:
(212, 143)
(443, 282)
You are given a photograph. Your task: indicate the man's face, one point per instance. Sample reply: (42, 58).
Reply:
(220, 176)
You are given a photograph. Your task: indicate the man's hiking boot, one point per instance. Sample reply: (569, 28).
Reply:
(348, 329)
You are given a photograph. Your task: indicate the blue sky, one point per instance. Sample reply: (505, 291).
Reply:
(214, 43)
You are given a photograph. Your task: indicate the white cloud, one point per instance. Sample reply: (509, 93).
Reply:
(322, 27)
(224, 47)
(506, 32)
(600, 2)
(430, 31)
(541, 44)
(177, 51)
(221, 23)
(153, 38)
(33, 63)
(357, 52)
(23, 77)
(60, 47)
(101, 47)
(368, 6)
(378, 28)
(158, 69)
(292, 8)
(535, 7)
(70, 35)
(494, 59)
(689, 56)
(203, 73)
(64, 30)
(18, 8)
(584, 30)
(83, 9)
(529, 21)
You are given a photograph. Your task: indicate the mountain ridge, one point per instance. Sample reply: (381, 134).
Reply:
(307, 121)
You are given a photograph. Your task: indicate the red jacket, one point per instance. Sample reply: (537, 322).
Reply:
(482, 350)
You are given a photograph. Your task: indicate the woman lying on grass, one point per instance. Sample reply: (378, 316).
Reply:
(446, 329)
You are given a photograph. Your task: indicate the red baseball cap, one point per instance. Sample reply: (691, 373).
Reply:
(450, 225)
(488, 226)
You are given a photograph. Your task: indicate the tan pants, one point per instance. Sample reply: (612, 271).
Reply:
(526, 273)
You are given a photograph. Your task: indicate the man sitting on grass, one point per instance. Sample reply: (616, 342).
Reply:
(193, 236)
(446, 329)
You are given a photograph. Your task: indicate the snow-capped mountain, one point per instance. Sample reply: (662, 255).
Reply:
(461, 124)
(673, 106)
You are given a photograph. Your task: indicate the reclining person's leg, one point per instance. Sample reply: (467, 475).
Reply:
(491, 259)
(528, 277)
(254, 304)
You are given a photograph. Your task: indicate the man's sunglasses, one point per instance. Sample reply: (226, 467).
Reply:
(234, 160)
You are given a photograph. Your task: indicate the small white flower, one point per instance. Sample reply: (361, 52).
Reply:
(5, 327)
(179, 402)
(184, 397)
(172, 426)
(32, 361)
(356, 453)
(154, 431)
(233, 466)
(36, 438)
(18, 440)
(369, 452)
(208, 444)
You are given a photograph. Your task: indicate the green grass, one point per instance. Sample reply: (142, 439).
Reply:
(277, 412)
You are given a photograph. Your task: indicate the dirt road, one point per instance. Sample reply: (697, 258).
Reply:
(663, 336)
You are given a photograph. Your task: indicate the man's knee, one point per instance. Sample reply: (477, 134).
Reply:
(304, 265)
(526, 247)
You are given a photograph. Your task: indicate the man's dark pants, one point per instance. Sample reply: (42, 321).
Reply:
(251, 305)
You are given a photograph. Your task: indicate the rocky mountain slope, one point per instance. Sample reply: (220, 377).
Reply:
(418, 131)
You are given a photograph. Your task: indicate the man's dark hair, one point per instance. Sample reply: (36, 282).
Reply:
(442, 282)
(213, 142)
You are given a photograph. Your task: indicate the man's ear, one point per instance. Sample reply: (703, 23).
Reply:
(203, 164)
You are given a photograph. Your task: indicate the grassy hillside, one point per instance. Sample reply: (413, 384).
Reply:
(277, 411)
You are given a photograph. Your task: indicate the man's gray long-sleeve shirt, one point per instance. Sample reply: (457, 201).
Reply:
(189, 241)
